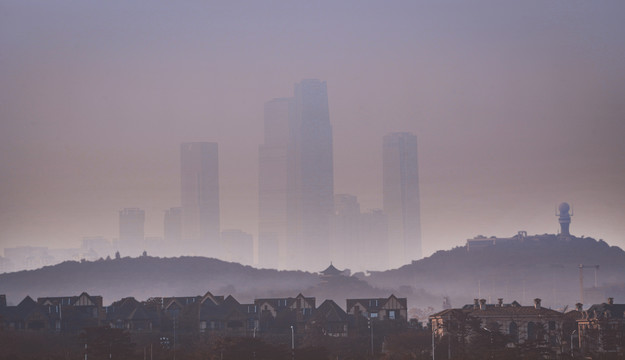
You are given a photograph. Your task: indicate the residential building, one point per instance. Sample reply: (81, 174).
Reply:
(133, 315)
(519, 323)
(329, 320)
(391, 308)
(278, 314)
(601, 329)
(60, 314)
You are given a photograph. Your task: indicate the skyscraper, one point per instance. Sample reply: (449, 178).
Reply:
(314, 173)
(296, 180)
(276, 178)
(346, 247)
(401, 197)
(131, 231)
(199, 191)
(238, 246)
(172, 225)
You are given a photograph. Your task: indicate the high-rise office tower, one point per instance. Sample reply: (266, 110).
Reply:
(314, 177)
(199, 191)
(131, 231)
(238, 246)
(296, 180)
(374, 241)
(172, 225)
(346, 248)
(276, 159)
(401, 197)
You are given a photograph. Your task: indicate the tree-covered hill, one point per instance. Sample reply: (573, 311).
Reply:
(543, 266)
(145, 277)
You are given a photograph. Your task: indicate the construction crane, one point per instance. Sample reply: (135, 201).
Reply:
(581, 279)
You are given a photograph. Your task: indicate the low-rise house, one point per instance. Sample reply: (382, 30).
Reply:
(66, 314)
(73, 313)
(329, 319)
(228, 316)
(27, 315)
(132, 315)
(519, 323)
(602, 329)
(279, 314)
(391, 308)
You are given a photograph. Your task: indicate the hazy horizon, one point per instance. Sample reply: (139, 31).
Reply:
(517, 107)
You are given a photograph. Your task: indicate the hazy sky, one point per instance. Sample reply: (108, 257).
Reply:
(517, 105)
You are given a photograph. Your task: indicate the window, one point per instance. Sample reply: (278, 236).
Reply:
(513, 330)
(373, 315)
(391, 314)
(531, 331)
(552, 325)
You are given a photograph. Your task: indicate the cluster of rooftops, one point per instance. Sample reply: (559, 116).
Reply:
(201, 313)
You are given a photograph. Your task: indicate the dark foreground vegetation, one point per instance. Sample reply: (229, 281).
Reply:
(400, 344)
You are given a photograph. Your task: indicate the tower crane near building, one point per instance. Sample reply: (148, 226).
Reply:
(581, 279)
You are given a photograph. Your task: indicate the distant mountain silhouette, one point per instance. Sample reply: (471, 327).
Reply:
(543, 266)
(145, 277)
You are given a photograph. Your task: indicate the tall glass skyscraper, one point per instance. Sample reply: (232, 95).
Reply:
(401, 197)
(314, 172)
(296, 180)
(276, 176)
(199, 191)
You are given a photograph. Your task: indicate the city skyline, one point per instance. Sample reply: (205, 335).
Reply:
(517, 107)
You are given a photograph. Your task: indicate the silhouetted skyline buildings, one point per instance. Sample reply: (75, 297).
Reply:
(131, 230)
(276, 185)
(401, 197)
(300, 215)
(199, 195)
(296, 179)
(302, 223)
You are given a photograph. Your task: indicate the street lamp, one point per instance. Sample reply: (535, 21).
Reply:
(370, 321)
(433, 344)
(292, 343)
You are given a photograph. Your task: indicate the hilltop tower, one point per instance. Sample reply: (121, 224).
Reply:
(564, 214)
